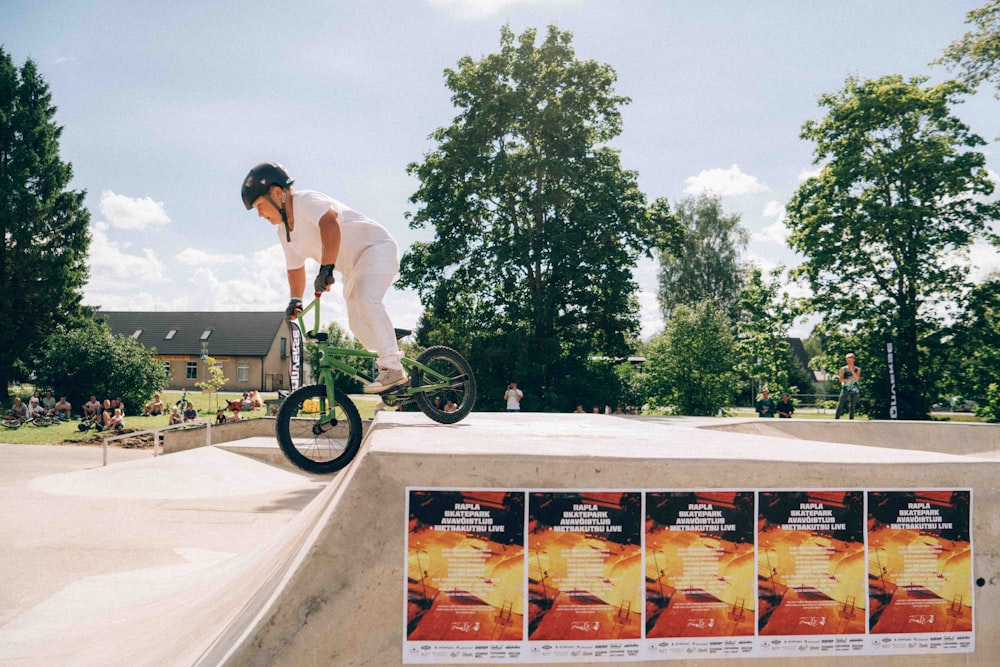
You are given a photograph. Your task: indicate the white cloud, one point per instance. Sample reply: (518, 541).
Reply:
(195, 257)
(776, 232)
(125, 212)
(984, 259)
(474, 10)
(724, 182)
(811, 172)
(113, 266)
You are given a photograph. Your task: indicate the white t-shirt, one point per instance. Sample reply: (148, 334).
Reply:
(357, 234)
(514, 399)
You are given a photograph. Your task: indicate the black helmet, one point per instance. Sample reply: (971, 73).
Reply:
(260, 178)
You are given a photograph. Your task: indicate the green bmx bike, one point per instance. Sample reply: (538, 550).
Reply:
(318, 426)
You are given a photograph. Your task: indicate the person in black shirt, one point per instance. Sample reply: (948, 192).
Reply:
(785, 408)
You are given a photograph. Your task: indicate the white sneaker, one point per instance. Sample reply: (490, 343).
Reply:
(387, 379)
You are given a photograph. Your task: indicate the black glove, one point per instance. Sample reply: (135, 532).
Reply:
(324, 278)
(294, 308)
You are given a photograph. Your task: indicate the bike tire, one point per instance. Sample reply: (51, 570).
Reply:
(41, 421)
(10, 423)
(305, 436)
(450, 363)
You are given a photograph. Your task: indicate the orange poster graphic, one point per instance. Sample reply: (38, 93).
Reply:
(465, 566)
(811, 563)
(700, 564)
(585, 566)
(919, 562)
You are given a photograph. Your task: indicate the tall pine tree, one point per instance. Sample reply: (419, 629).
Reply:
(45, 225)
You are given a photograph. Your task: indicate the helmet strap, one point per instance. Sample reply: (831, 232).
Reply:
(281, 209)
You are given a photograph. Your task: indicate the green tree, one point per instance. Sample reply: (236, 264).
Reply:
(764, 317)
(88, 359)
(45, 226)
(977, 53)
(707, 263)
(337, 337)
(883, 227)
(973, 345)
(690, 366)
(537, 225)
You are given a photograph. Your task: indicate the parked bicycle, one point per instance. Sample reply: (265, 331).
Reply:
(318, 426)
(12, 422)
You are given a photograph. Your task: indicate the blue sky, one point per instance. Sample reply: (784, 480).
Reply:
(166, 105)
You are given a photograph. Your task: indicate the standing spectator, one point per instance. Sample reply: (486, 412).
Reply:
(785, 408)
(850, 386)
(513, 396)
(190, 414)
(63, 408)
(765, 406)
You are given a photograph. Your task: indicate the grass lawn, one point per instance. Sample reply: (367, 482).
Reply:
(206, 404)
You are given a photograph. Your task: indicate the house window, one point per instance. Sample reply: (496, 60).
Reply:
(191, 371)
(137, 333)
(170, 334)
(166, 368)
(284, 347)
(205, 334)
(243, 371)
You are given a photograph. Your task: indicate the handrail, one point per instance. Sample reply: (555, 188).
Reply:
(156, 435)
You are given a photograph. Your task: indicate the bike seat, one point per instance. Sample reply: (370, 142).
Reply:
(402, 333)
(319, 336)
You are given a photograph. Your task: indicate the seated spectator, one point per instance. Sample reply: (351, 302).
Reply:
(19, 410)
(117, 420)
(450, 406)
(236, 415)
(247, 402)
(117, 403)
(103, 419)
(35, 410)
(49, 403)
(255, 400)
(154, 407)
(190, 414)
(220, 416)
(34, 402)
(175, 416)
(63, 408)
(92, 408)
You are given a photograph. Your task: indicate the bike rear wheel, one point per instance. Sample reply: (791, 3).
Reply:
(10, 422)
(461, 391)
(317, 437)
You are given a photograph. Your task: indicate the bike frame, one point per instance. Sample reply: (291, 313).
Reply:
(330, 364)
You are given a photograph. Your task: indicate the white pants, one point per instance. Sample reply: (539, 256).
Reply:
(373, 274)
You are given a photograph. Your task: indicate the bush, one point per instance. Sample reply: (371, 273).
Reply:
(90, 360)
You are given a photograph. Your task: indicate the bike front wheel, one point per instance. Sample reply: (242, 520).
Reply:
(315, 436)
(10, 422)
(455, 395)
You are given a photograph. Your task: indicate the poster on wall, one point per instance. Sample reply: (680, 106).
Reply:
(699, 548)
(508, 576)
(811, 571)
(920, 570)
(585, 574)
(464, 575)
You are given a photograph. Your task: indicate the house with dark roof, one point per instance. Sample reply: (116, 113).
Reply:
(252, 348)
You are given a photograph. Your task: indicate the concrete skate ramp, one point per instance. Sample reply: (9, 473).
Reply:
(944, 437)
(340, 599)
